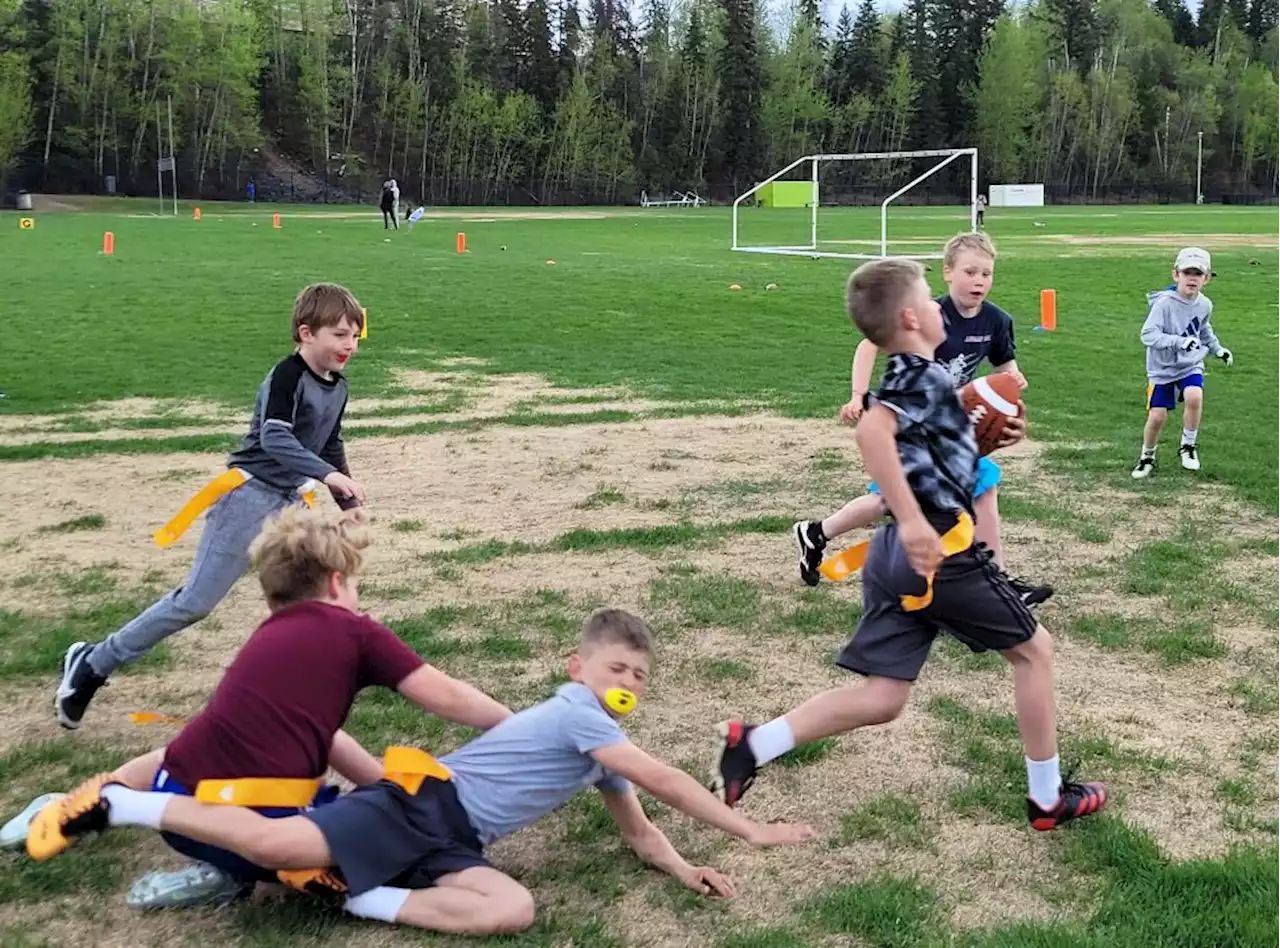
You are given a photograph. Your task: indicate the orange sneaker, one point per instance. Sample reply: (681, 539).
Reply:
(81, 811)
(325, 884)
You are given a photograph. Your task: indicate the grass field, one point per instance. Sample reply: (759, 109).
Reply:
(621, 428)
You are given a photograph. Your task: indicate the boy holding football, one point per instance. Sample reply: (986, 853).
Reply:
(976, 329)
(923, 574)
(1178, 336)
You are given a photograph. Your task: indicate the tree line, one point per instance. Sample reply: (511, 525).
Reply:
(476, 101)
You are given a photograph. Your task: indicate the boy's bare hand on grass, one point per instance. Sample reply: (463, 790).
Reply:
(781, 834)
(707, 881)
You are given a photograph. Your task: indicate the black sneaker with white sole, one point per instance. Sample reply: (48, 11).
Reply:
(810, 543)
(1030, 595)
(78, 686)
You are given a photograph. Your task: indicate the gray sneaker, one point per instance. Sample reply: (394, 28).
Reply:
(199, 884)
(14, 834)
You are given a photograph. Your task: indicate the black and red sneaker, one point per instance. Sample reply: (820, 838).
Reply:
(735, 769)
(1074, 801)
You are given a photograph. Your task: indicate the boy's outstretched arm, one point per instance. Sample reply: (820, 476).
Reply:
(677, 789)
(651, 845)
(439, 694)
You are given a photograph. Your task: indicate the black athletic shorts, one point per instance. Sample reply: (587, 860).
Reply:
(381, 835)
(972, 600)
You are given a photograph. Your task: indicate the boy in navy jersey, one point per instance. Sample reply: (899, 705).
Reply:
(976, 329)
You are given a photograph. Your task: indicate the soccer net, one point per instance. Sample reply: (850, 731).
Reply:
(861, 206)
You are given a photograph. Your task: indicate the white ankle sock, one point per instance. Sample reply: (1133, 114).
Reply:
(135, 807)
(771, 740)
(1189, 436)
(1044, 781)
(382, 904)
(1148, 452)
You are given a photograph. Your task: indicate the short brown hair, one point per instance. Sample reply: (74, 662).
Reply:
(325, 304)
(296, 553)
(976, 241)
(877, 292)
(616, 627)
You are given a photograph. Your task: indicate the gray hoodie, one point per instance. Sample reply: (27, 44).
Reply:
(1170, 323)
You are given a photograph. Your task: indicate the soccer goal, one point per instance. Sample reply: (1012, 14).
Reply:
(822, 205)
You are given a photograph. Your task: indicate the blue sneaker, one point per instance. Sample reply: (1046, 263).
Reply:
(14, 834)
(199, 884)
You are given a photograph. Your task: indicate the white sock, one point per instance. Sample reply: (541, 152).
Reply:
(1044, 781)
(1148, 452)
(135, 807)
(771, 740)
(382, 904)
(1189, 436)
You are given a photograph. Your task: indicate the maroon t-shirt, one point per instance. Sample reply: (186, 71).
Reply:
(286, 693)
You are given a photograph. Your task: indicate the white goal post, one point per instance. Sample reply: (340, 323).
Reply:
(947, 156)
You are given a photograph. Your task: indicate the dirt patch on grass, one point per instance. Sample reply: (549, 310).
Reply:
(435, 495)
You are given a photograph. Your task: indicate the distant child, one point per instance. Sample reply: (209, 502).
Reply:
(982, 208)
(390, 204)
(916, 440)
(295, 436)
(976, 329)
(278, 711)
(1177, 336)
(413, 852)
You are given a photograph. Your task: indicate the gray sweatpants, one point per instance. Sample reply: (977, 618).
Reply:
(222, 557)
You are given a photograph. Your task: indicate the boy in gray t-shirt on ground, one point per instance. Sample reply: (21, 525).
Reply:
(416, 857)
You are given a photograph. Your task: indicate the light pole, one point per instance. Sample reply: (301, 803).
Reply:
(1199, 165)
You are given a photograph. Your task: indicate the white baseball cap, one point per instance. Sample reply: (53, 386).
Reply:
(1192, 258)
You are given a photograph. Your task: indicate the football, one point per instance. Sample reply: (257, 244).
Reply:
(990, 401)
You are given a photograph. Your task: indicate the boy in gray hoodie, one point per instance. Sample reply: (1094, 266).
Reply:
(1178, 336)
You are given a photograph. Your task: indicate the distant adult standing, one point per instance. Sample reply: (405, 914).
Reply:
(390, 204)
(982, 208)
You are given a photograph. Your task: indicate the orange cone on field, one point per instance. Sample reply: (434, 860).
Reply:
(108, 243)
(275, 221)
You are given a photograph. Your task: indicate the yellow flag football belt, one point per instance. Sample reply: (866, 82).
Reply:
(847, 562)
(209, 495)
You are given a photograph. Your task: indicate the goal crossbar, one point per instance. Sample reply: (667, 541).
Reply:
(948, 155)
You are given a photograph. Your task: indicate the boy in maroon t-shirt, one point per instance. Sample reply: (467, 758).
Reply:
(279, 708)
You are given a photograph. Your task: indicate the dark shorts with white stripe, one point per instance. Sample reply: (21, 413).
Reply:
(972, 601)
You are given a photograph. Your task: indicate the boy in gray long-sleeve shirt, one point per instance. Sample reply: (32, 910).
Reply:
(294, 438)
(1178, 336)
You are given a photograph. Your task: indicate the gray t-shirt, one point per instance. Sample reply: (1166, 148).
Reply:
(296, 431)
(534, 761)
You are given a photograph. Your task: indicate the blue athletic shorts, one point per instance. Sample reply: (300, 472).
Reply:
(988, 477)
(1168, 394)
(223, 859)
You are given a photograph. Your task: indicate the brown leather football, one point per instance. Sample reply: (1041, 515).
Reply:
(990, 401)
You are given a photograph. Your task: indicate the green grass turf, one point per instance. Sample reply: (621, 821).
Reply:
(641, 299)
(186, 309)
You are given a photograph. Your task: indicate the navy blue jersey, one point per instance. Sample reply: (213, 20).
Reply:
(988, 334)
